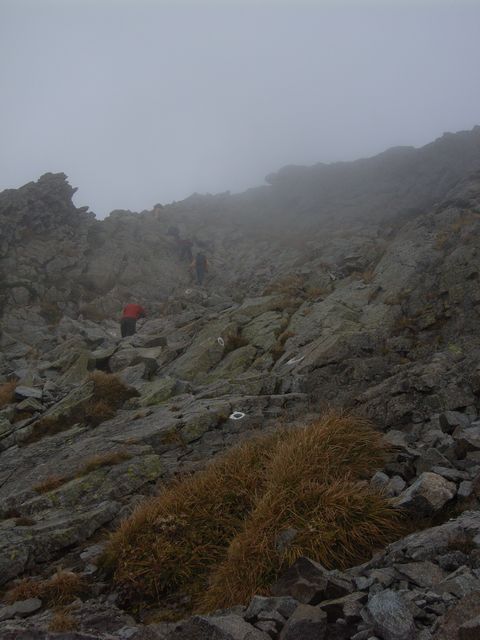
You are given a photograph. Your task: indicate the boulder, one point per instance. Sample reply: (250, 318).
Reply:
(390, 616)
(427, 495)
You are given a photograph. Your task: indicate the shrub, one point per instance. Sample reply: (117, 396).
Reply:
(7, 393)
(60, 589)
(220, 526)
(62, 620)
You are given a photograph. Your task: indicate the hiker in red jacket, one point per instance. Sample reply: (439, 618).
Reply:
(130, 315)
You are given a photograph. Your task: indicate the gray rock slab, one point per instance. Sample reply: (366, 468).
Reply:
(391, 617)
(423, 574)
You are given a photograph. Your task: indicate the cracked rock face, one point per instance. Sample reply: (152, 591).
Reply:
(305, 306)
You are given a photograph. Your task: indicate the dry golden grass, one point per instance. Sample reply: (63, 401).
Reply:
(62, 620)
(50, 483)
(170, 542)
(212, 536)
(338, 524)
(60, 589)
(313, 487)
(7, 393)
(98, 411)
(234, 342)
(291, 285)
(103, 460)
(24, 521)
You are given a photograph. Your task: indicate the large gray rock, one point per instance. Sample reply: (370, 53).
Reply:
(427, 495)
(390, 616)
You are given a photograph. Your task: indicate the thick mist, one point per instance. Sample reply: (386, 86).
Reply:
(143, 102)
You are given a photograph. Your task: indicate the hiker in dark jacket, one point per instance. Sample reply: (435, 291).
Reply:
(200, 264)
(128, 323)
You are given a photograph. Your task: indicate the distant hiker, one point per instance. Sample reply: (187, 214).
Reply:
(130, 315)
(200, 264)
(185, 249)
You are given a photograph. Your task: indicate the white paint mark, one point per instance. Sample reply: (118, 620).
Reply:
(237, 415)
(295, 360)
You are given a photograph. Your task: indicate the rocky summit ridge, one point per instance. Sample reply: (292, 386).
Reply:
(353, 286)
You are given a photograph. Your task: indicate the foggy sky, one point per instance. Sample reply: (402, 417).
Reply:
(143, 102)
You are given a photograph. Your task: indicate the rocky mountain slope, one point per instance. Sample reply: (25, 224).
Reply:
(352, 285)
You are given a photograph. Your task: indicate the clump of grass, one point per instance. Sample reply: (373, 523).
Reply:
(98, 411)
(50, 483)
(109, 394)
(7, 393)
(60, 589)
(234, 342)
(24, 521)
(62, 621)
(212, 536)
(170, 542)
(314, 487)
(103, 460)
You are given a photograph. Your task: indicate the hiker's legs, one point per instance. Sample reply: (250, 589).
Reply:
(128, 326)
(200, 275)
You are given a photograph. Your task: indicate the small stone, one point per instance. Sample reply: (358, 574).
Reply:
(395, 486)
(28, 392)
(267, 626)
(449, 420)
(310, 583)
(284, 605)
(465, 489)
(24, 608)
(379, 480)
(348, 607)
(306, 623)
